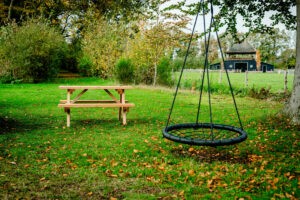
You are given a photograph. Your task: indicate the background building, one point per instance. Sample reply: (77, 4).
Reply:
(243, 57)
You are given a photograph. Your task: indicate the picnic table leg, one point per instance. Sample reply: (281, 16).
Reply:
(68, 111)
(122, 110)
(124, 116)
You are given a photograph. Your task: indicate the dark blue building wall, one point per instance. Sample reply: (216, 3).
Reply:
(240, 65)
(266, 67)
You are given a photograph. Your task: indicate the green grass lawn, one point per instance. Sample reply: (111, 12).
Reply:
(97, 158)
(273, 81)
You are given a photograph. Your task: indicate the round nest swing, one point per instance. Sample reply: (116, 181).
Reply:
(203, 133)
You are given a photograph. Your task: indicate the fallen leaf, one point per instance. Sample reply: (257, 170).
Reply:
(181, 193)
(191, 172)
(135, 150)
(154, 138)
(42, 179)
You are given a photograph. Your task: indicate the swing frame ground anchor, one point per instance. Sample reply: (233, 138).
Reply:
(176, 133)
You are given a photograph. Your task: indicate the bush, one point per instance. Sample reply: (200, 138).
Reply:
(164, 76)
(84, 66)
(103, 43)
(125, 71)
(33, 51)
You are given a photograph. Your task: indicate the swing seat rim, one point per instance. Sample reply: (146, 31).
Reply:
(204, 142)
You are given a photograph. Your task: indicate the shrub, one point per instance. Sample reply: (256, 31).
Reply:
(103, 43)
(33, 51)
(263, 93)
(164, 76)
(125, 71)
(84, 66)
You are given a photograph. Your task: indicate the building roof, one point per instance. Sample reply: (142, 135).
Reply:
(241, 48)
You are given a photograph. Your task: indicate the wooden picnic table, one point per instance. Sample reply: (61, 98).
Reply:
(120, 102)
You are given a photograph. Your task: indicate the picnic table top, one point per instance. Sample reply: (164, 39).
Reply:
(116, 87)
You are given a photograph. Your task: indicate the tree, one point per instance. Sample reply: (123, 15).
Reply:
(253, 13)
(103, 43)
(53, 9)
(163, 32)
(158, 35)
(270, 45)
(288, 59)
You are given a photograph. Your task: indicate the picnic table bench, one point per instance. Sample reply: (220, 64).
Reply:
(120, 102)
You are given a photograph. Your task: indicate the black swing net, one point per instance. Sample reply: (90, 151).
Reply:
(204, 132)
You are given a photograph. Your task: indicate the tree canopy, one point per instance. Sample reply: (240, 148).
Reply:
(253, 13)
(52, 9)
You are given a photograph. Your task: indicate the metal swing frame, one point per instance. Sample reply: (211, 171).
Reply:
(190, 133)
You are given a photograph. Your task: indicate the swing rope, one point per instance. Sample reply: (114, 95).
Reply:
(194, 133)
(184, 63)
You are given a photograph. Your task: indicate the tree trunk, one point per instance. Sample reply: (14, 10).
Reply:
(9, 10)
(292, 108)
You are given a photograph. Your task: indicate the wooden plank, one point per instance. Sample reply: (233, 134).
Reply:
(111, 95)
(92, 105)
(116, 87)
(93, 101)
(79, 95)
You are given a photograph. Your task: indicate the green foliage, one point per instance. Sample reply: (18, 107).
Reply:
(33, 51)
(103, 44)
(143, 73)
(71, 60)
(164, 73)
(125, 71)
(85, 65)
(18, 10)
(140, 54)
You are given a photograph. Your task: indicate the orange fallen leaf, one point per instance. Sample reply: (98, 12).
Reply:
(191, 172)
(181, 193)
(154, 138)
(275, 180)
